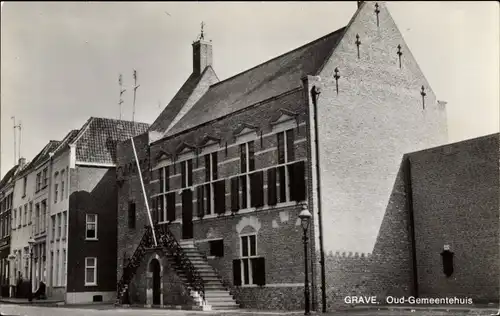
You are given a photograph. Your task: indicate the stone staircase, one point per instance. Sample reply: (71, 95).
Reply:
(216, 294)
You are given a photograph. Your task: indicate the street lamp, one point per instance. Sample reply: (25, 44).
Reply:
(31, 242)
(305, 219)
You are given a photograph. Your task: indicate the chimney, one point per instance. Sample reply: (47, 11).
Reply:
(202, 53)
(22, 163)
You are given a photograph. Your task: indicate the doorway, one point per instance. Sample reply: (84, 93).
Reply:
(154, 268)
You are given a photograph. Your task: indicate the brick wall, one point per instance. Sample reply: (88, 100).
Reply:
(279, 241)
(92, 191)
(365, 128)
(130, 190)
(455, 192)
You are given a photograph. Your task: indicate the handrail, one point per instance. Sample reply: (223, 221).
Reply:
(168, 241)
(134, 262)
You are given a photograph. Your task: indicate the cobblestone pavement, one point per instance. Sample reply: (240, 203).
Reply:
(106, 310)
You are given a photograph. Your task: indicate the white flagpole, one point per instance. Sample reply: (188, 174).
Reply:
(144, 192)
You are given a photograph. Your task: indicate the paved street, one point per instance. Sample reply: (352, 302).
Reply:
(105, 310)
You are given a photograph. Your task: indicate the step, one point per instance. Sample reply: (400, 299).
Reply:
(223, 304)
(221, 299)
(226, 296)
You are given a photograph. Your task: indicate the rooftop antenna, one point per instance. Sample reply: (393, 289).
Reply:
(20, 137)
(15, 146)
(135, 93)
(122, 91)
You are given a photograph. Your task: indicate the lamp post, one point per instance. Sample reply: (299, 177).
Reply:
(305, 219)
(11, 259)
(31, 242)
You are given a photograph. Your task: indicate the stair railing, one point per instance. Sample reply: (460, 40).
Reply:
(134, 262)
(168, 241)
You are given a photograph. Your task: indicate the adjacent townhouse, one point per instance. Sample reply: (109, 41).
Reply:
(29, 218)
(82, 229)
(6, 200)
(228, 166)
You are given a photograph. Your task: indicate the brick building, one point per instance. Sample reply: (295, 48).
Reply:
(82, 227)
(227, 165)
(6, 200)
(29, 217)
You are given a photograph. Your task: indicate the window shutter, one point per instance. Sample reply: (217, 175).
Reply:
(259, 271)
(271, 187)
(171, 207)
(256, 188)
(200, 201)
(207, 168)
(154, 211)
(251, 159)
(282, 183)
(208, 198)
(244, 195)
(167, 178)
(190, 172)
(215, 165)
(235, 195)
(290, 145)
(300, 181)
(292, 186)
(220, 197)
(161, 207)
(160, 178)
(236, 272)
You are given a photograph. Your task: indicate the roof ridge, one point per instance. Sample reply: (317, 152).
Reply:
(117, 120)
(279, 56)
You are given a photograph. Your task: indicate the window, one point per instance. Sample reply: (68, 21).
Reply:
(131, 215)
(186, 173)
(52, 266)
(62, 184)
(90, 271)
(30, 214)
(247, 164)
(65, 227)
(53, 224)
(25, 220)
(57, 268)
(67, 175)
(64, 267)
(56, 192)
(37, 218)
(14, 219)
(20, 217)
(42, 216)
(206, 193)
(285, 155)
(25, 184)
(45, 179)
(38, 181)
(59, 225)
(91, 230)
(217, 248)
(250, 269)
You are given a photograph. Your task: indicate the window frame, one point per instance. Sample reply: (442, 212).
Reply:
(246, 174)
(86, 226)
(94, 266)
(248, 258)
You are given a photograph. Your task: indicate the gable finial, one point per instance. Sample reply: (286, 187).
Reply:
(377, 11)
(423, 94)
(337, 77)
(358, 42)
(399, 54)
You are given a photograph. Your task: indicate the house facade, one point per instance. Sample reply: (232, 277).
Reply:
(6, 201)
(29, 218)
(90, 160)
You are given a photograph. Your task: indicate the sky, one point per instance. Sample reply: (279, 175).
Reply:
(60, 62)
